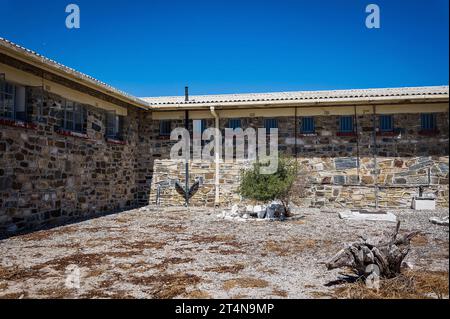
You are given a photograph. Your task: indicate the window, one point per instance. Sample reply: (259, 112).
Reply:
(204, 126)
(165, 128)
(346, 124)
(74, 117)
(307, 125)
(12, 101)
(234, 123)
(386, 123)
(269, 124)
(428, 122)
(114, 126)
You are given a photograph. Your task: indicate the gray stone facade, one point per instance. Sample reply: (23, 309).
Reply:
(342, 171)
(47, 177)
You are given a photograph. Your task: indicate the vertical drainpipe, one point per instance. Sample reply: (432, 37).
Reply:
(358, 159)
(375, 153)
(186, 126)
(217, 157)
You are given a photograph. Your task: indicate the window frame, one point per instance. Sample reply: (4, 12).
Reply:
(341, 124)
(161, 131)
(268, 124)
(302, 127)
(234, 120)
(76, 116)
(382, 121)
(432, 120)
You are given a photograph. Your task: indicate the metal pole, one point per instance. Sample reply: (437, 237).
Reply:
(186, 126)
(358, 160)
(375, 151)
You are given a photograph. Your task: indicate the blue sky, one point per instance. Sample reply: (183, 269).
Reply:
(152, 48)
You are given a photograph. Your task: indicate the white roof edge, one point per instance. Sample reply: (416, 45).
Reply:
(352, 95)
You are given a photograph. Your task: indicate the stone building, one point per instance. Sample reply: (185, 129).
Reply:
(72, 146)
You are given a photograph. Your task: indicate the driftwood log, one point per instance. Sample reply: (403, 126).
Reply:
(383, 256)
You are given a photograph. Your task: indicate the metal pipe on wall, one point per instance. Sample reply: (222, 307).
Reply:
(217, 143)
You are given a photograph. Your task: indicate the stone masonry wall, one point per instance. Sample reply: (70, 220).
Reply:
(342, 171)
(47, 178)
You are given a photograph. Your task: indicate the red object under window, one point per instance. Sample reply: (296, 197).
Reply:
(429, 132)
(116, 142)
(388, 133)
(19, 124)
(72, 134)
(345, 134)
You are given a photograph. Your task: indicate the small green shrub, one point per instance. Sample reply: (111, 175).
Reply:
(264, 188)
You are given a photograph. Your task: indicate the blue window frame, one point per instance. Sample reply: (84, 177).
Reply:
(346, 124)
(386, 123)
(428, 122)
(234, 123)
(269, 124)
(307, 125)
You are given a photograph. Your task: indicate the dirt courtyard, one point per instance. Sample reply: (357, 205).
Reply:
(154, 252)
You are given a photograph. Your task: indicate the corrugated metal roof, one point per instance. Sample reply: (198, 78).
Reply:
(308, 96)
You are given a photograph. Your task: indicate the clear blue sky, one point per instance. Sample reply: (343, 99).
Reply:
(151, 48)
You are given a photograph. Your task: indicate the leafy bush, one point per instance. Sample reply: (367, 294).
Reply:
(264, 188)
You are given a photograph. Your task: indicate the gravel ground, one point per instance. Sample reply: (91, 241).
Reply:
(154, 252)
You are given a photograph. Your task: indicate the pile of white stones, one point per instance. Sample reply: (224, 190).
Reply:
(270, 212)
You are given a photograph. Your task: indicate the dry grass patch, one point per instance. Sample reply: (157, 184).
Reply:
(49, 234)
(172, 261)
(280, 293)
(144, 244)
(171, 228)
(80, 260)
(419, 240)
(226, 252)
(16, 273)
(167, 286)
(197, 294)
(245, 282)
(289, 247)
(234, 269)
(213, 239)
(409, 285)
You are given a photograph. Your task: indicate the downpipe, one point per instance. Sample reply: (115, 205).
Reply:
(217, 157)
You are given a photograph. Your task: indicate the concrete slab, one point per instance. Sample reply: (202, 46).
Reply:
(367, 216)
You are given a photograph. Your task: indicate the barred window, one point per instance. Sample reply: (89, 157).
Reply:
(307, 125)
(346, 124)
(234, 123)
(270, 124)
(74, 117)
(12, 101)
(428, 122)
(114, 126)
(165, 128)
(386, 123)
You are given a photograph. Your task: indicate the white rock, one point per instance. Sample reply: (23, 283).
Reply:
(235, 209)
